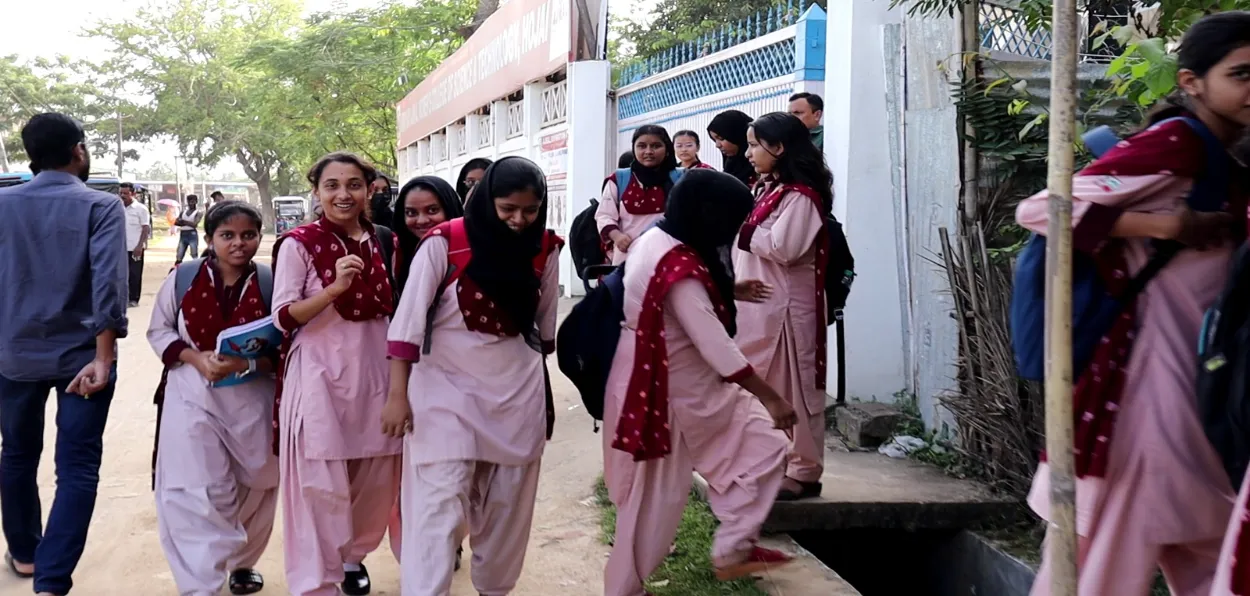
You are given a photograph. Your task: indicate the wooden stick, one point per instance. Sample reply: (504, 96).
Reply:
(1062, 543)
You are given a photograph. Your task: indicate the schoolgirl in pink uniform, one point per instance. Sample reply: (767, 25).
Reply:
(468, 392)
(340, 472)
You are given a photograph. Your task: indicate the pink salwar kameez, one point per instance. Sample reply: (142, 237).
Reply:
(216, 475)
(612, 214)
(479, 427)
(339, 471)
(782, 337)
(716, 429)
(1163, 500)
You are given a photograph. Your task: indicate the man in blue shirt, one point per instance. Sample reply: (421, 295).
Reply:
(63, 271)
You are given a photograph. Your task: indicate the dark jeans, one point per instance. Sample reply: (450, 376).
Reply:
(188, 239)
(135, 277)
(79, 443)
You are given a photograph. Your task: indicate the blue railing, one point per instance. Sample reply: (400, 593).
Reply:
(762, 23)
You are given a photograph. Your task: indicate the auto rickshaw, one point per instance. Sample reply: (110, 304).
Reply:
(289, 212)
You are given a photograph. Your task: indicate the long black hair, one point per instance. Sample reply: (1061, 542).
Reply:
(503, 260)
(477, 163)
(704, 211)
(452, 208)
(801, 162)
(731, 125)
(658, 175)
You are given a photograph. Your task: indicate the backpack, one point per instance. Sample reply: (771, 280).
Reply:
(458, 255)
(624, 175)
(585, 244)
(185, 274)
(586, 341)
(1093, 308)
(839, 275)
(1224, 370)
(386, 241)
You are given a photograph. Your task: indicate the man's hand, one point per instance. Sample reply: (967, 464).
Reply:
(92, 378)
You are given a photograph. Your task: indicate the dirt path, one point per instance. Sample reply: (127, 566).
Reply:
(124, 558)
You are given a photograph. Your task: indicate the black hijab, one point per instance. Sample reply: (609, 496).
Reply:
(452, 208)
(503, 260)
(658, 176)
(704, 211)
(731, 125)
(477, 163)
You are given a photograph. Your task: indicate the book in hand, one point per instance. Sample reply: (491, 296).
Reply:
(258, 339)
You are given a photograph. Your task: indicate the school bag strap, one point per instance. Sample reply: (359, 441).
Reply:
(458, 255)
(1093, 308)
(185, 274)
(624, 175)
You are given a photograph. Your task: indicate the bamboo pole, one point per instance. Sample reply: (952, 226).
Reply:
(1062, 542)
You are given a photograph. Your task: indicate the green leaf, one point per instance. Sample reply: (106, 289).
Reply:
(1024, 132)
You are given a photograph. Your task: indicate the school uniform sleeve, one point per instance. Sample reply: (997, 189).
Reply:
(109, 267)
(163, 329)
(548, 302)
(689, 302)
(792, 234)
(608, 215)
(289, 276)
(425, 275)
(1097, 203)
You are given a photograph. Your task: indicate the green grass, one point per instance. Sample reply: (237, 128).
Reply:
(687, 572)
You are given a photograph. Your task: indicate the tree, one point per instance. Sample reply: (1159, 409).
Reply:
(61, 85)
(157, 171)
(249, 80)
(685, 21)
(346, 73)
(183, 54)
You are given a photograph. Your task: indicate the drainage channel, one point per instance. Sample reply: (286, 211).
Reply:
(920, 563)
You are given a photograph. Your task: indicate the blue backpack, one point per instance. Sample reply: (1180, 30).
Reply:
(1093, 308)
(623, 176)
(586, 341)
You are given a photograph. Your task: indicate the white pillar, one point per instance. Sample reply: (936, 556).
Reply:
(858, 150)
(499, 115)
(588, 86)
(423, 156)
(533, 116)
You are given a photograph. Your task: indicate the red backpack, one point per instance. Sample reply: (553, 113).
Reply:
(458, 255)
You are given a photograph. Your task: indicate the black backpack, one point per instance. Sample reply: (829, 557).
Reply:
(584, 246)
(1224, 370)
(586, 341)
(838, 278)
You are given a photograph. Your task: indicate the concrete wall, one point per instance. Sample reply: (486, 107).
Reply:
(892, 144)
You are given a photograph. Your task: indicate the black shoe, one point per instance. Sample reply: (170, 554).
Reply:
(246, 581)
(356, 583)
(807, 490)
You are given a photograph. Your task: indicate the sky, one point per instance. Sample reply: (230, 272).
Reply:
(72, 16)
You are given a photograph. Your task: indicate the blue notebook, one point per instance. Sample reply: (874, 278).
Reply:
(258, 339)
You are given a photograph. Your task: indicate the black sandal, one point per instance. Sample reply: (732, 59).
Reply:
(807, 490)
(356, 583)
(246, 581)
(8, 559)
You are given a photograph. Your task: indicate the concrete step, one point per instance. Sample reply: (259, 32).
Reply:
(869, 490)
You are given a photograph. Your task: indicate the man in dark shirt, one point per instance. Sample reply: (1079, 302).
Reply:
(63, 268)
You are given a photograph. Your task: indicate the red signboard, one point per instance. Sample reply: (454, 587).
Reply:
(525, 40)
